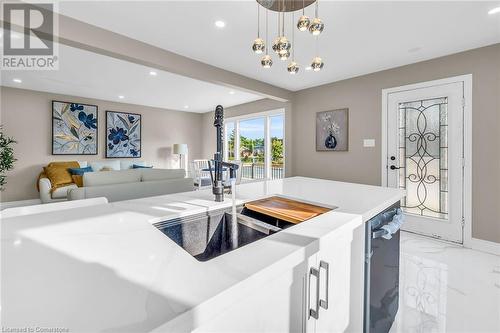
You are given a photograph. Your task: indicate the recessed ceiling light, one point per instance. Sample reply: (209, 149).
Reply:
(220, 24)
(308, 68)
(121, 97)
(494, 11)
(231, 92)
(153, 73)
(186, 106)
(17, 80)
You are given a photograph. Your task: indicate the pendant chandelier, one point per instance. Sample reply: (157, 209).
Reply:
(282, 46)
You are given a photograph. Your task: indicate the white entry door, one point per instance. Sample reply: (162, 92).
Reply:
(425, 157)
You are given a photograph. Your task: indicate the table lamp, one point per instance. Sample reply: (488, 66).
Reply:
(180, 149)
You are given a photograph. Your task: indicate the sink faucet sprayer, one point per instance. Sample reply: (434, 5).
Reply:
(218, 185)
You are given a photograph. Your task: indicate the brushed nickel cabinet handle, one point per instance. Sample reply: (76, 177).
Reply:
(314, 312)
(326, 267)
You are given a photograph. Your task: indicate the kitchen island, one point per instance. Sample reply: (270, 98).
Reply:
(108, 268)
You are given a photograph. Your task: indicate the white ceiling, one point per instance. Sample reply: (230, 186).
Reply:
(359, 37)
(86, 74)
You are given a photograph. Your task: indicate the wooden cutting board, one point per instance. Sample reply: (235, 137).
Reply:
(286, 209)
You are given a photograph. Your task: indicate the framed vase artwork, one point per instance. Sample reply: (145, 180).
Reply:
(332, 130)
(123, 134)
(74, 128)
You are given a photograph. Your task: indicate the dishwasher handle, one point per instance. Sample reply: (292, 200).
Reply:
(378, 233)
(386, 231)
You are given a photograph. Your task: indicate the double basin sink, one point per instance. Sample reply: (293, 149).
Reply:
(209, 235)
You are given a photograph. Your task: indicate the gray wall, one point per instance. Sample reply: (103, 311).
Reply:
(362, 95)
(244, 109)
(26, 116)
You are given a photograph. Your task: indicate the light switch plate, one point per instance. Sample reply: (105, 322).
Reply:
(369, 143)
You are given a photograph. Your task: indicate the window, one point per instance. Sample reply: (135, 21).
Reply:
(252, 154)
(258, 142)
(230, 141)
(277, 146)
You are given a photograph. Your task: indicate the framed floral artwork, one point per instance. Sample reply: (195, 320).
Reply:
(123, 134)
(332, 130)
(74, 128)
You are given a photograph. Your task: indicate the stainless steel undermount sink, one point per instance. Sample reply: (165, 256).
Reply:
(208, 236)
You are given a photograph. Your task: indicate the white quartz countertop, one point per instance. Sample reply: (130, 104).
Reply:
(107, 268)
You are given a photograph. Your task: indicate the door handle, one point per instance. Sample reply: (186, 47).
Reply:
(326, 267)
(314, 312)
(393, 167)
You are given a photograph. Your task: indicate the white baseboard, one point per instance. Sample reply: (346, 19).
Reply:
(483, 246)
(20, 203)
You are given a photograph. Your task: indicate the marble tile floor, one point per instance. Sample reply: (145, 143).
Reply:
(446, 288)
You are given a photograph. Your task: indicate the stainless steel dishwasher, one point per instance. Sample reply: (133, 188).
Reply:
(381, 273)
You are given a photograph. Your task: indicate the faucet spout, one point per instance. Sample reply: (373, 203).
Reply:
(217, 176)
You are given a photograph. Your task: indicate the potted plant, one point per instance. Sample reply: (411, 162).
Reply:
(6, 157)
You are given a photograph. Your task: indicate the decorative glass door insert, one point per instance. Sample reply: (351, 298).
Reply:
(423, 160)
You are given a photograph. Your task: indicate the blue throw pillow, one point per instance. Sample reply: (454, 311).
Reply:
(79, 171)
(135, 166)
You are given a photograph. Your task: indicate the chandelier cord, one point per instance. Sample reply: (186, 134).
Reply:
(258, 20)
(279, 18)
(293, 37)
(316, 46)
(303, 7)
(283, 20)
(316, 11)
(267, 31)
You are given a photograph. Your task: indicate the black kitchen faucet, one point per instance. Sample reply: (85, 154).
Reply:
(218, 184)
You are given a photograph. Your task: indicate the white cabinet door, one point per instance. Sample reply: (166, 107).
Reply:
(334, 265)
(279, 305)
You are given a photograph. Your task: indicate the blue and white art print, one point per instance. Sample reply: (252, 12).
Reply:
(123, 134)
(74, 129)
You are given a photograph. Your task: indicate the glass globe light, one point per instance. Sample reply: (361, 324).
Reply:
(284, 55)
(275, 44)
(281, 45)
(316, 26)
(284, 44)
(293, 68)
(303, 23)
(258, 46)
(317, 64)
(266, 61)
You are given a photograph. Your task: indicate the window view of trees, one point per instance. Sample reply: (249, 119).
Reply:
(230, 141)
(252, 132)
(252, 150)
(277, 145)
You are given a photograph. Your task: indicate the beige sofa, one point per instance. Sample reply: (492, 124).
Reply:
(61, 193)
(131, 184)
